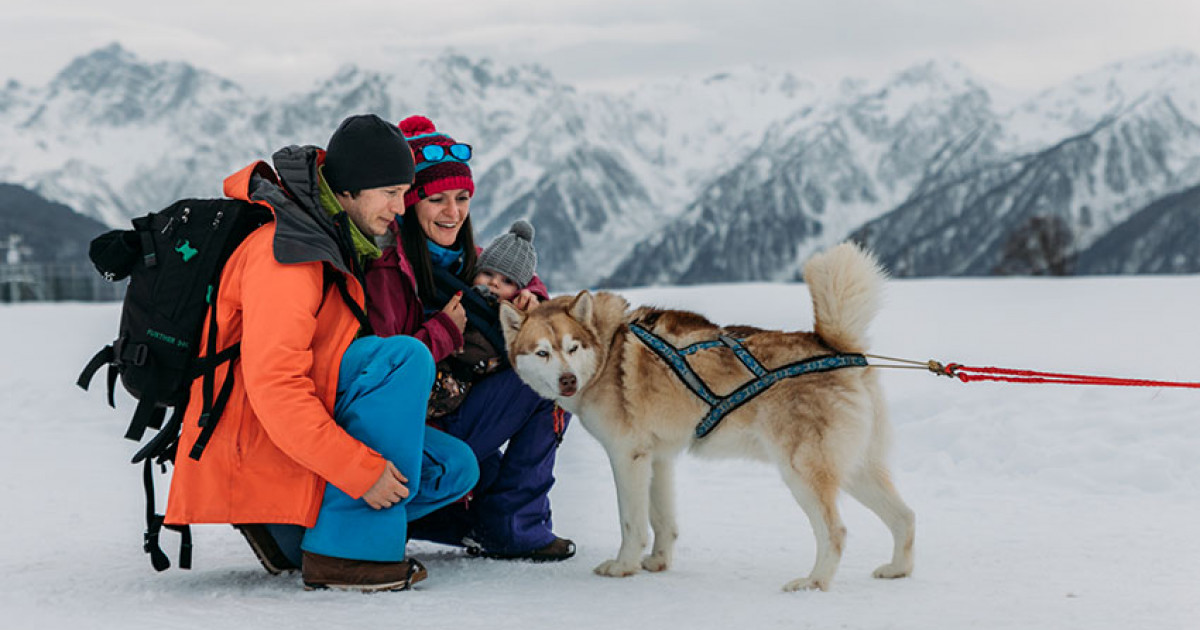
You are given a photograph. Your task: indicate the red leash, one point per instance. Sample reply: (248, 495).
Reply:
(968, 374)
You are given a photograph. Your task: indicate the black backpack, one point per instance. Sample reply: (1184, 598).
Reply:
(173, 259)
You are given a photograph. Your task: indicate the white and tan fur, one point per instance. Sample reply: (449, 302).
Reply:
(825, 431)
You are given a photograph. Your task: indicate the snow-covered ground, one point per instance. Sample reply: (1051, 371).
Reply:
(1038, 506)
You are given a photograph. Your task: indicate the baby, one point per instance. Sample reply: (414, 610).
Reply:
(502, 272)
(507, 265)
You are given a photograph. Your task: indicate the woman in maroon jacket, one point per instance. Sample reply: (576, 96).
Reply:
(420, 287)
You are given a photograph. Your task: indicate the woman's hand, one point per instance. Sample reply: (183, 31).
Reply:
(388, 490)
(525, 300)
(455, 310)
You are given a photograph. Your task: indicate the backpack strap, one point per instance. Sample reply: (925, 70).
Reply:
(162, 446)
(214, 407)
(106, 356)
(341, 222)
(102, 358)
(154, 526)
(160, 450)
(113, 375)
(206, 369)
(149, 251)
(147, 415)
(338, 279)
(211, 412)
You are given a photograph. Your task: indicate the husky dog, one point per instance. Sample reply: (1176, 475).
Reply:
(825, 430)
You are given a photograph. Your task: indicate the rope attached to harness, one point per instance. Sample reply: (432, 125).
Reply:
(968, 374)
(721, 406)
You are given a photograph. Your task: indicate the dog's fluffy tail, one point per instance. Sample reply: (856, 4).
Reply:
(846, 284)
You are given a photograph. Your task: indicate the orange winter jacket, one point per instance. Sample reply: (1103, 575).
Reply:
(276, 444)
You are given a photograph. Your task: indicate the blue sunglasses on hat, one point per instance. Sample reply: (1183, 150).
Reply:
(436, 153)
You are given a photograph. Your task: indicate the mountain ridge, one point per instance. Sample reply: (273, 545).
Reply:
(733, 176)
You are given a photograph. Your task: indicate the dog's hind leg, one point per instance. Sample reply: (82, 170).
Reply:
(662, 514)
(631, 472)
(815, 488)
(872, 486)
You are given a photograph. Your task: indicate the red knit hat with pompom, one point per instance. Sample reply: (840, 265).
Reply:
(446, 175)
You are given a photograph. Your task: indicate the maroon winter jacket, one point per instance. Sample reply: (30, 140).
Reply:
(395, 309)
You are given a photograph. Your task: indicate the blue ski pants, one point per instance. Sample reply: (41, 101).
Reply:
(511, 431)
(383, 391)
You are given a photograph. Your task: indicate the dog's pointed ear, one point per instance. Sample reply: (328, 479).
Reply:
(582, 309)
(511, 319)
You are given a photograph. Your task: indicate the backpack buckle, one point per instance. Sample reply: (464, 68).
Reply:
(141, 352)
(125, 353)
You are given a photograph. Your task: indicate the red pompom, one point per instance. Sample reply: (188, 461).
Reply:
(416, 126)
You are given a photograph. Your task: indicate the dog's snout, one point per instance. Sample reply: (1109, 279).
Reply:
(567, 381)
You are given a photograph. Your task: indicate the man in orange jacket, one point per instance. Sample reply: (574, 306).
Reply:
(322, 455)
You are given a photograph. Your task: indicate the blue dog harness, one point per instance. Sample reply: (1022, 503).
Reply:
(721, 406)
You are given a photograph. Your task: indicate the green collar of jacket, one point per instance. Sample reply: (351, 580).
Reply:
(363, 246)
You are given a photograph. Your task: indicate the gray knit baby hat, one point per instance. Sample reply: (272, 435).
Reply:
(512, 254)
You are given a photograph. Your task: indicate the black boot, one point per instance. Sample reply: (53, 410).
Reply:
(558, 550)
(266, 549)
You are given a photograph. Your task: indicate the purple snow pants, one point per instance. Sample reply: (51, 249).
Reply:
(510, 507)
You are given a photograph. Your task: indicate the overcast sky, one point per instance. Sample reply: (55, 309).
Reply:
(268, 45)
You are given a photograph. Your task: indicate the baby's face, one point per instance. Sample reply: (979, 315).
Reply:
(501, 285)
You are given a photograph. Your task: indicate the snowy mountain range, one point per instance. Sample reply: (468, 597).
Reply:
(733, 177)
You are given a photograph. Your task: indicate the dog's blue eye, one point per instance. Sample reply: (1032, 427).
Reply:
(542, 353)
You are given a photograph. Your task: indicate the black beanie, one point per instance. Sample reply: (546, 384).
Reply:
(366, 152)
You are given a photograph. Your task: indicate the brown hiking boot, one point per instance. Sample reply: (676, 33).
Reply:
(360, 575)
(559, 549)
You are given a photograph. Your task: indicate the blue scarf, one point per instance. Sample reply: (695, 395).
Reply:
(441, 256)
(444, 257)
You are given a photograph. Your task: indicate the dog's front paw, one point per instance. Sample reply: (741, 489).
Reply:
(891, 571)
(613, 568)
(806, 584)
(656, 562)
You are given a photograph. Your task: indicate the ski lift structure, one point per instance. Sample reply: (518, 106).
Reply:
(17, 280)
